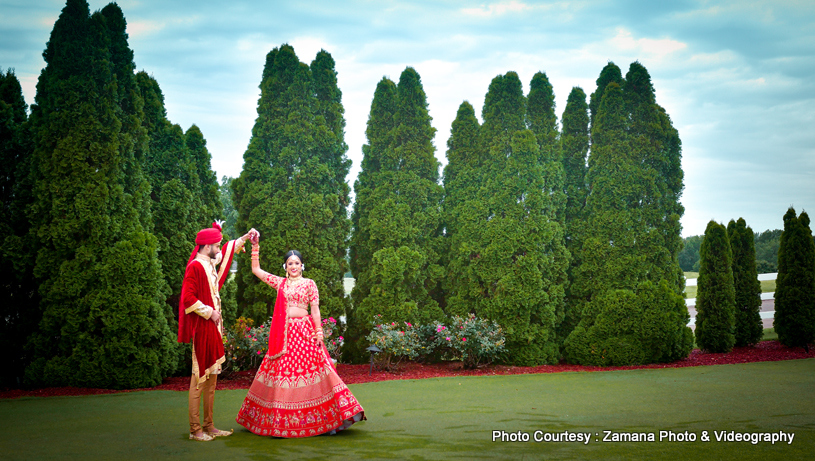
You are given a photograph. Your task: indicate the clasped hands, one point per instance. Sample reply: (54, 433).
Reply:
(252, 236)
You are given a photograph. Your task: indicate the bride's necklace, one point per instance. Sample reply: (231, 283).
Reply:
(294, 281)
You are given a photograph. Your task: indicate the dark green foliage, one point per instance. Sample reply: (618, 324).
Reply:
(465, 163)
(795, 286)
(380, 124)
(749, 328)
(378, 131)
(610, 74)
(19, 312)
(689, 256)
(397, 217)
(229, 302)
(292, 188)
(575, 147)
(178, 168)
(631, 231)
(715, 295)
(767, 251)
(632, 327)
(505, 198)
(203, 182)
(104, 318)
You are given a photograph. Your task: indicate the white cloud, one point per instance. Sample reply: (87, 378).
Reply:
(496, 9)
(138, 29)
(307, 48)
(658, 48)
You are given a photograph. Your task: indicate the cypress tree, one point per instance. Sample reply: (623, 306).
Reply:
(361, 247)
(402, 282)
(465, 162)
(334, 167)
(292, 186)
(715, 295)
(103, 323)
(176, 212)
(630, 237)
(575, 146)
(508, 260)
(610, 74)
(19, 312)
(542, 120)
(656, 147)
(795, 285)
(378, 131)
(749, 328)
(204, 183)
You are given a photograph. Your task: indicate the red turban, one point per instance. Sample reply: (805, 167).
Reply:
(207, 237)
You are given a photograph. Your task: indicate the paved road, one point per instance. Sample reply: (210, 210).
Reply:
(767, 312)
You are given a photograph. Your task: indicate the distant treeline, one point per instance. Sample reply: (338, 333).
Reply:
(766, 252)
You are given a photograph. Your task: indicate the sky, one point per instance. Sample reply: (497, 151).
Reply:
(736, 77)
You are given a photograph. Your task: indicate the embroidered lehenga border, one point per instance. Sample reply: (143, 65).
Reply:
(298, 394)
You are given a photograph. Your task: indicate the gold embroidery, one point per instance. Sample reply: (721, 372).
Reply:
(192, 308)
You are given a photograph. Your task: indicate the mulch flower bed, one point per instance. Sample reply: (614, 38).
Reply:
(766, 351)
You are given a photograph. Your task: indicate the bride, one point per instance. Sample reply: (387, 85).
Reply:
(296, 391)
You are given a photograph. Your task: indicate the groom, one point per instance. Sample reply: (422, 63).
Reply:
(200, 322)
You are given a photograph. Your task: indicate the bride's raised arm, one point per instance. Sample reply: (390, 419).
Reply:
(270, 279)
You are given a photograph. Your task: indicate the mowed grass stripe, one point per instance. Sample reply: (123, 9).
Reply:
(452, 418)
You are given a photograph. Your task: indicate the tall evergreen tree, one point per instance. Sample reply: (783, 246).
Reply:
(795, 286)
(541, 119)
(103, 321)
(19, 313)
(379, 128)
(403, 218)
(361, 248)
(575, 146)
(748, 326)
(292, 187)
(656, 147)
(465, 163)
(177, 215)
(610, 74)
(715, 295)
(630, 240)
(204, 183)
(508, 260)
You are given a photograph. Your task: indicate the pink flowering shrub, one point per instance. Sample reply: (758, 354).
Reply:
(473, 341)
(245, 345)
(332, 336)
(397, 341)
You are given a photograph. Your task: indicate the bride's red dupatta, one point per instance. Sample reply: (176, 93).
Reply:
(277, 332)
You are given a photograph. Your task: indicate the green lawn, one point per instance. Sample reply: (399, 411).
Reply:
(454, 418)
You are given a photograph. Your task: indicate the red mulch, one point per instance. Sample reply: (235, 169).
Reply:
(766, 351)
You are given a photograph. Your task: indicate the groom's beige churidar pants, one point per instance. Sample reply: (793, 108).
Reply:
(207, 391)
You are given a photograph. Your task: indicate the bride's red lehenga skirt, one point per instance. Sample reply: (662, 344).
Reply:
(298, 394)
